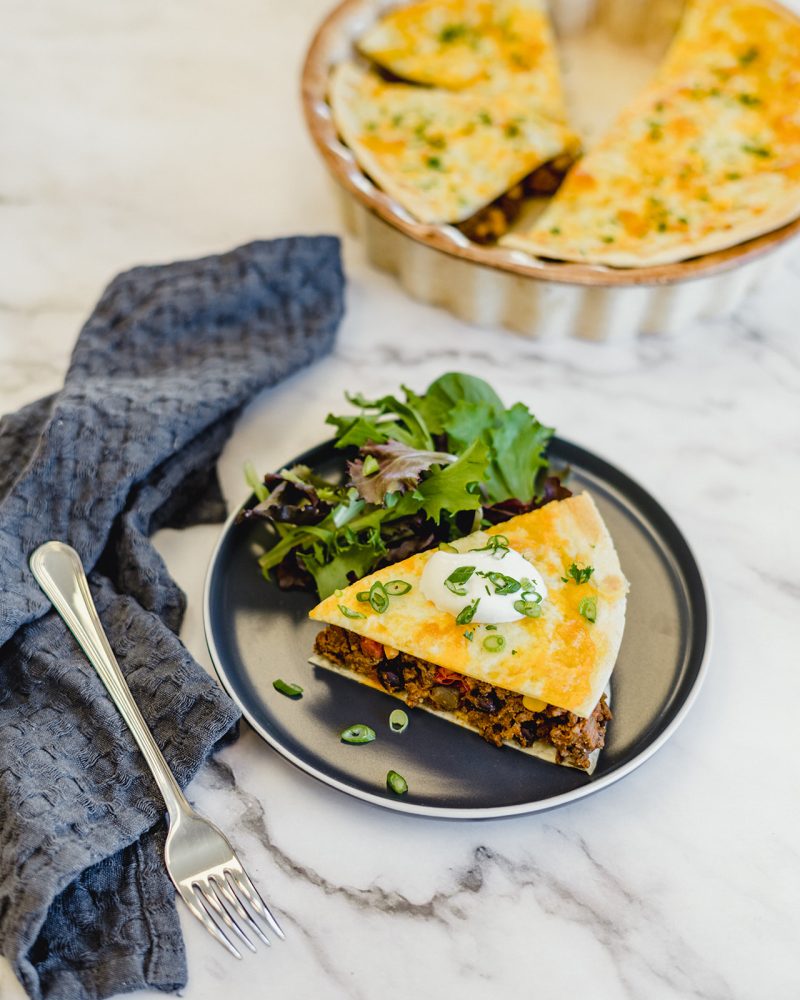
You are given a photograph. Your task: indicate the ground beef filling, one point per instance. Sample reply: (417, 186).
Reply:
(490, 223)
(497, 714)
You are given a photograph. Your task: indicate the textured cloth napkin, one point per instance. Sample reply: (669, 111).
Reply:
(129, 445)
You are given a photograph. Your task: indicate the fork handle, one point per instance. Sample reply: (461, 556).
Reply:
(58, 570)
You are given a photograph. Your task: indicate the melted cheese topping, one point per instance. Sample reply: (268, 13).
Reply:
(462, 43)
(560, 658)
(442, 154)
(707, 156)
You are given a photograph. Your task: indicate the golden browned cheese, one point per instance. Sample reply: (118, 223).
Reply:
(560, 658)
(706, 157)
(467, 43)
(443, 155)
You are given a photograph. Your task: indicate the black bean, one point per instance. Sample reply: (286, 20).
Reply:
(391, 677)
(488, 703)
(527, 732)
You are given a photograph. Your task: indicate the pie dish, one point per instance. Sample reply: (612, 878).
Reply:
(436, 262)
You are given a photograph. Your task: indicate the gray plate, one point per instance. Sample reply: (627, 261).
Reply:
(257, 633)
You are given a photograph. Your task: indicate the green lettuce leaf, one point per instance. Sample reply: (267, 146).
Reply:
(447, 489)
(446, 392)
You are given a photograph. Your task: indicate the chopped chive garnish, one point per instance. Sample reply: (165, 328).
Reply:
(358, 734)
(396, 588)
(349, 612)
(378, 597)
(757, 150)
(531, 609)
(363, 596)
(290, 690)
(588, 608)
(466, 614)
(397, 783)
(494, 643)
(491, 628)
(398, 721)
(469, 635)
(455, 582)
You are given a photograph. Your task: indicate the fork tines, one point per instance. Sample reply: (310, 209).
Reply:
(227, 903)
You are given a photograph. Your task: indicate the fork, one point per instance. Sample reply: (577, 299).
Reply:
(199, 858)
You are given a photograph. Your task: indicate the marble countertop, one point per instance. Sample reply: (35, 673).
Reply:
(142, 132)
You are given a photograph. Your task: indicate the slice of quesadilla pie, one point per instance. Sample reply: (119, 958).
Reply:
(706, 157)
(443, 155)
(466, 43)
(512, 632)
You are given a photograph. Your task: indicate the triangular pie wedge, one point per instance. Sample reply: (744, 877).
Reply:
(561, 658)
(443, 155)
(466, 43)
(708, 156)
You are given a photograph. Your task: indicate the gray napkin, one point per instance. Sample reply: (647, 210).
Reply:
(158, 376)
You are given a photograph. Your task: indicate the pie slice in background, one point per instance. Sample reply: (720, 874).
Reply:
(465, 43)
(708, 156)
(443, 155)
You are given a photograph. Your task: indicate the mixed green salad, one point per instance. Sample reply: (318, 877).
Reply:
(420, 472)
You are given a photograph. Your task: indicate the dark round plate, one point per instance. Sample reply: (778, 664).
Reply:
(257, 633)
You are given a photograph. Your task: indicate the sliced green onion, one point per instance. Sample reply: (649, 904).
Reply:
(588, 608)
(446, 547)
(397, 783)
(503, 584)
(349, 612)
(358, 734)
(531, 609)
(395, 588)
(494, 643)
(398, 721)
(470, 635)
(363, 596)
(495, 542)
(290, 690)
(465, 616)
(455, 582)
(491, 628)
(378, 597)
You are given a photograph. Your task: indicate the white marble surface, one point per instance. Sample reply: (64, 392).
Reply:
(137, 132)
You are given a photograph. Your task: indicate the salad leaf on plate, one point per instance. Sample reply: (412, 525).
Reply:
(396, 467)
(422, 470)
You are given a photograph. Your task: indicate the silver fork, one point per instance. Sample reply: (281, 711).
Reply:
(198, 856)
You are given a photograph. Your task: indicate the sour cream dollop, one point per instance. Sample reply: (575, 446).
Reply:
(481, 584)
